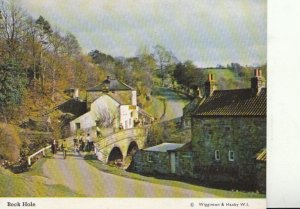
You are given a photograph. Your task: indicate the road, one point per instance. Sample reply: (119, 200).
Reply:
(174, 104)
(82, 178)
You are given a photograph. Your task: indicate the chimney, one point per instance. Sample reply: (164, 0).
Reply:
(76, 93)
(198, 92)
(107, 79)
(133, 98)
(257, 82)
(210, 85)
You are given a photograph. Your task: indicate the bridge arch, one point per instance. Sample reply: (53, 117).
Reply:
(115, 155)
(132, 148)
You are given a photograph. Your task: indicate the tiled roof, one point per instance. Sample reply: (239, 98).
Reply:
(261, 155)
(111, 85)
(238, 102)
(164, 147)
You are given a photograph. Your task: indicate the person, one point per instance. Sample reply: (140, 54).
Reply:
(76, 145)
(75, 141)
(89, 142)
(53, 146)
(63, 148)
(81, 145)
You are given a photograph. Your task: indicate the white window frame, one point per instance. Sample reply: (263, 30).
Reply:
(229, 155)
(149, 157)
(217, 155)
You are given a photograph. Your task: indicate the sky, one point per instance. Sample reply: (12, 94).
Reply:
(208, 32)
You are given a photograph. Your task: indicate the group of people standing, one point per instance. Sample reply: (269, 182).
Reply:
(82, 144)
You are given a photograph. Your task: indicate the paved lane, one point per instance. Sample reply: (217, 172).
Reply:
(75, 173)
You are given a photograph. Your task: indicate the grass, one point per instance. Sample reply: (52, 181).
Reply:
(31, 184)
(155, 107)
(170, 182)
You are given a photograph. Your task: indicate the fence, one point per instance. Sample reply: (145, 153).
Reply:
(38, 152)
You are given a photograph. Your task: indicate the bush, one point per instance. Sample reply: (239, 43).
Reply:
(10, 142)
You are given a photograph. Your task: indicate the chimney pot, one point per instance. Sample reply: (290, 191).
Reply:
(257, 82)
(210, 85)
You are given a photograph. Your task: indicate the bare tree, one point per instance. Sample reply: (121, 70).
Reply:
(106, 118)
(12, 29)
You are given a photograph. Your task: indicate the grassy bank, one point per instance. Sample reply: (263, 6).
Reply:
(31, 184)
(170, 181)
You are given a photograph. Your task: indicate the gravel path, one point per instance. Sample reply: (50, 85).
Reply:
(75, 173)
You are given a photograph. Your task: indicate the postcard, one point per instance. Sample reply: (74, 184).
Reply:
(130, 104)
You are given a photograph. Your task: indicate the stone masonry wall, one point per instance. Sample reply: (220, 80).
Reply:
(184, 163)
(159, 162)
(243, 135)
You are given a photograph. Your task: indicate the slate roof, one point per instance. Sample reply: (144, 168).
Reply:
(186, 147)
(111, 85)
(237, 102)
(164, 147)
(121, 99)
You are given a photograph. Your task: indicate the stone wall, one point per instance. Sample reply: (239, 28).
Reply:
(261, 176)
(185, 163)
(245, 136)
(152, 162)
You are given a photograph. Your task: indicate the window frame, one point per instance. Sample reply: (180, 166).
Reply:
(78, 125)
(149, 157)
(231, 155)
(217, 155)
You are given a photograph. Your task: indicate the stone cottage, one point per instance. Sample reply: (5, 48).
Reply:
(228, 138)
(157, 159)
(111, 104)
(228, 129)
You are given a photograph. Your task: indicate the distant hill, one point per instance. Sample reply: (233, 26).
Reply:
(227, 78)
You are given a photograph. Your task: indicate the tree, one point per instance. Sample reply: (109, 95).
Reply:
(12, 86)
(164, 58)
(12, 27)
(71, 45)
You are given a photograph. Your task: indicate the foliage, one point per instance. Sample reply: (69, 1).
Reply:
(10, 142)
(166, 61)
(189, 77)
(12, 85)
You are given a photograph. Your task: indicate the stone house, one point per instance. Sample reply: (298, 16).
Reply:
(228, 139)
(111, 104)
(228, 129)
(261, 158)
(188, 111)
(157, 159)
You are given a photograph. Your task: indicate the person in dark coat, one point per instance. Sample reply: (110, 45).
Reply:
(53, 146)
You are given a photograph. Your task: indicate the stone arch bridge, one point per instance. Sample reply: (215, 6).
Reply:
(121, 144)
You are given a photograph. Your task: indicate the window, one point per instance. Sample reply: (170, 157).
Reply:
(77, 125)
(217, 155)
(231, 155)
(149, 157)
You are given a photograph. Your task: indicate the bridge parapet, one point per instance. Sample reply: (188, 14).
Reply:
(121, 139)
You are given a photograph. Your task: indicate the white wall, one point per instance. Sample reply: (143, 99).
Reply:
(88, 120)
(127, 115)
